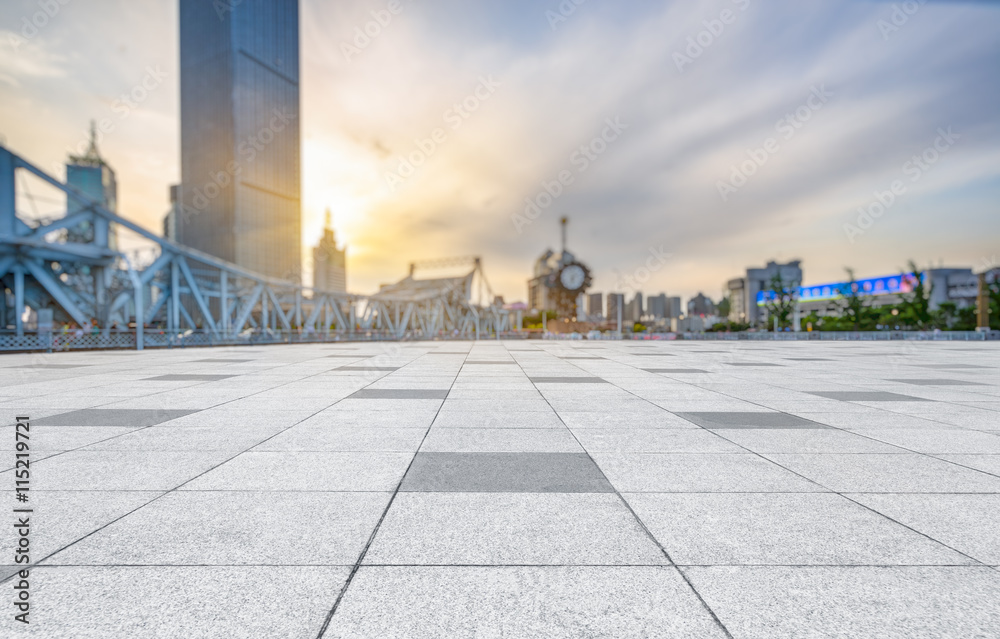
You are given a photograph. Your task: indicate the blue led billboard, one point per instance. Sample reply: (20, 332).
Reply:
(889, 284)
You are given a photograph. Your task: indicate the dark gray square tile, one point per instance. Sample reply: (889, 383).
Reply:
(505, 473)
(114, 417)
(751, 364)
(368, 369)
(52, 366)
(947, 366)
(867, 396)
(936, 382)
(400, 393)
(7, 570)
(177, 377)
(721, 420)
(568, 380)
(674, 370)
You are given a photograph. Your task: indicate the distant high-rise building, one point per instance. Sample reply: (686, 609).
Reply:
(634, 309)
(595, 304)
(700, 306)
(240, 173)
(674, 309)
(329, 262)
(170, 219)
(91, 175)
(615, 301)
(656, 305)
(743, 290)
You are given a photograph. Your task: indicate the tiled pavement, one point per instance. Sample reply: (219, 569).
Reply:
(516, 489)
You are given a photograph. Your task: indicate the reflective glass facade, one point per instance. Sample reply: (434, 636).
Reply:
(240, 159)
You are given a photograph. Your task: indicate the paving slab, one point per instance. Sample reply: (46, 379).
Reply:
(886, 602)
(505, 472)
(564, 602)
(509, 528)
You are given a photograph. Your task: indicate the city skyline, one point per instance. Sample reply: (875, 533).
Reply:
(845, 116)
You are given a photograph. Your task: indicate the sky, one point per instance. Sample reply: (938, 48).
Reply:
(685, 141)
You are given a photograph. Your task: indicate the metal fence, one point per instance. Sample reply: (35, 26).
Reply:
(854, 336)
(153, 338)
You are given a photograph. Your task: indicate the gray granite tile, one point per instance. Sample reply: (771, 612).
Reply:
(735, 419)
(967, 523)
(897, 602)
(524, 601)
(781, 529)
(399, 393)
(500, 440)
(179, 377)
(235, 528)
(674, 370)
(867, 396)
(505, 472)
(306, 471)
(709, 472)
(115, 417)
(877, 473)
(511, 528)
(937, 382)
(161, 602)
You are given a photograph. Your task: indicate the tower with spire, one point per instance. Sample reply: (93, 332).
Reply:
(91, 175)
(329, 262)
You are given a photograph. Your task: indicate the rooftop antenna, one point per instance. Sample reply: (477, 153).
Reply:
(563, 221)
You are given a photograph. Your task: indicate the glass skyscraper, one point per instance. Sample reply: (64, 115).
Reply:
(240, 162)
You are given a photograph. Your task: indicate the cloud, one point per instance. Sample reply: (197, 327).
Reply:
(24, 59)
(365, 112)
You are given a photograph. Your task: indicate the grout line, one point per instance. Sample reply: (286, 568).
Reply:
(639, 521)
(378, 525)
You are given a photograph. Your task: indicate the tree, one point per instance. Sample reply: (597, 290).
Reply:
(780, 299)
(949, 317)
(994, 302)
(915, 308)
(852, 302)
(724, 307)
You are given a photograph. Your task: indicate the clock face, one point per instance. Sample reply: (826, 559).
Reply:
(572, 277)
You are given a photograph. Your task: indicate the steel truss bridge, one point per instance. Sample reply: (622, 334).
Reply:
(180, 296)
